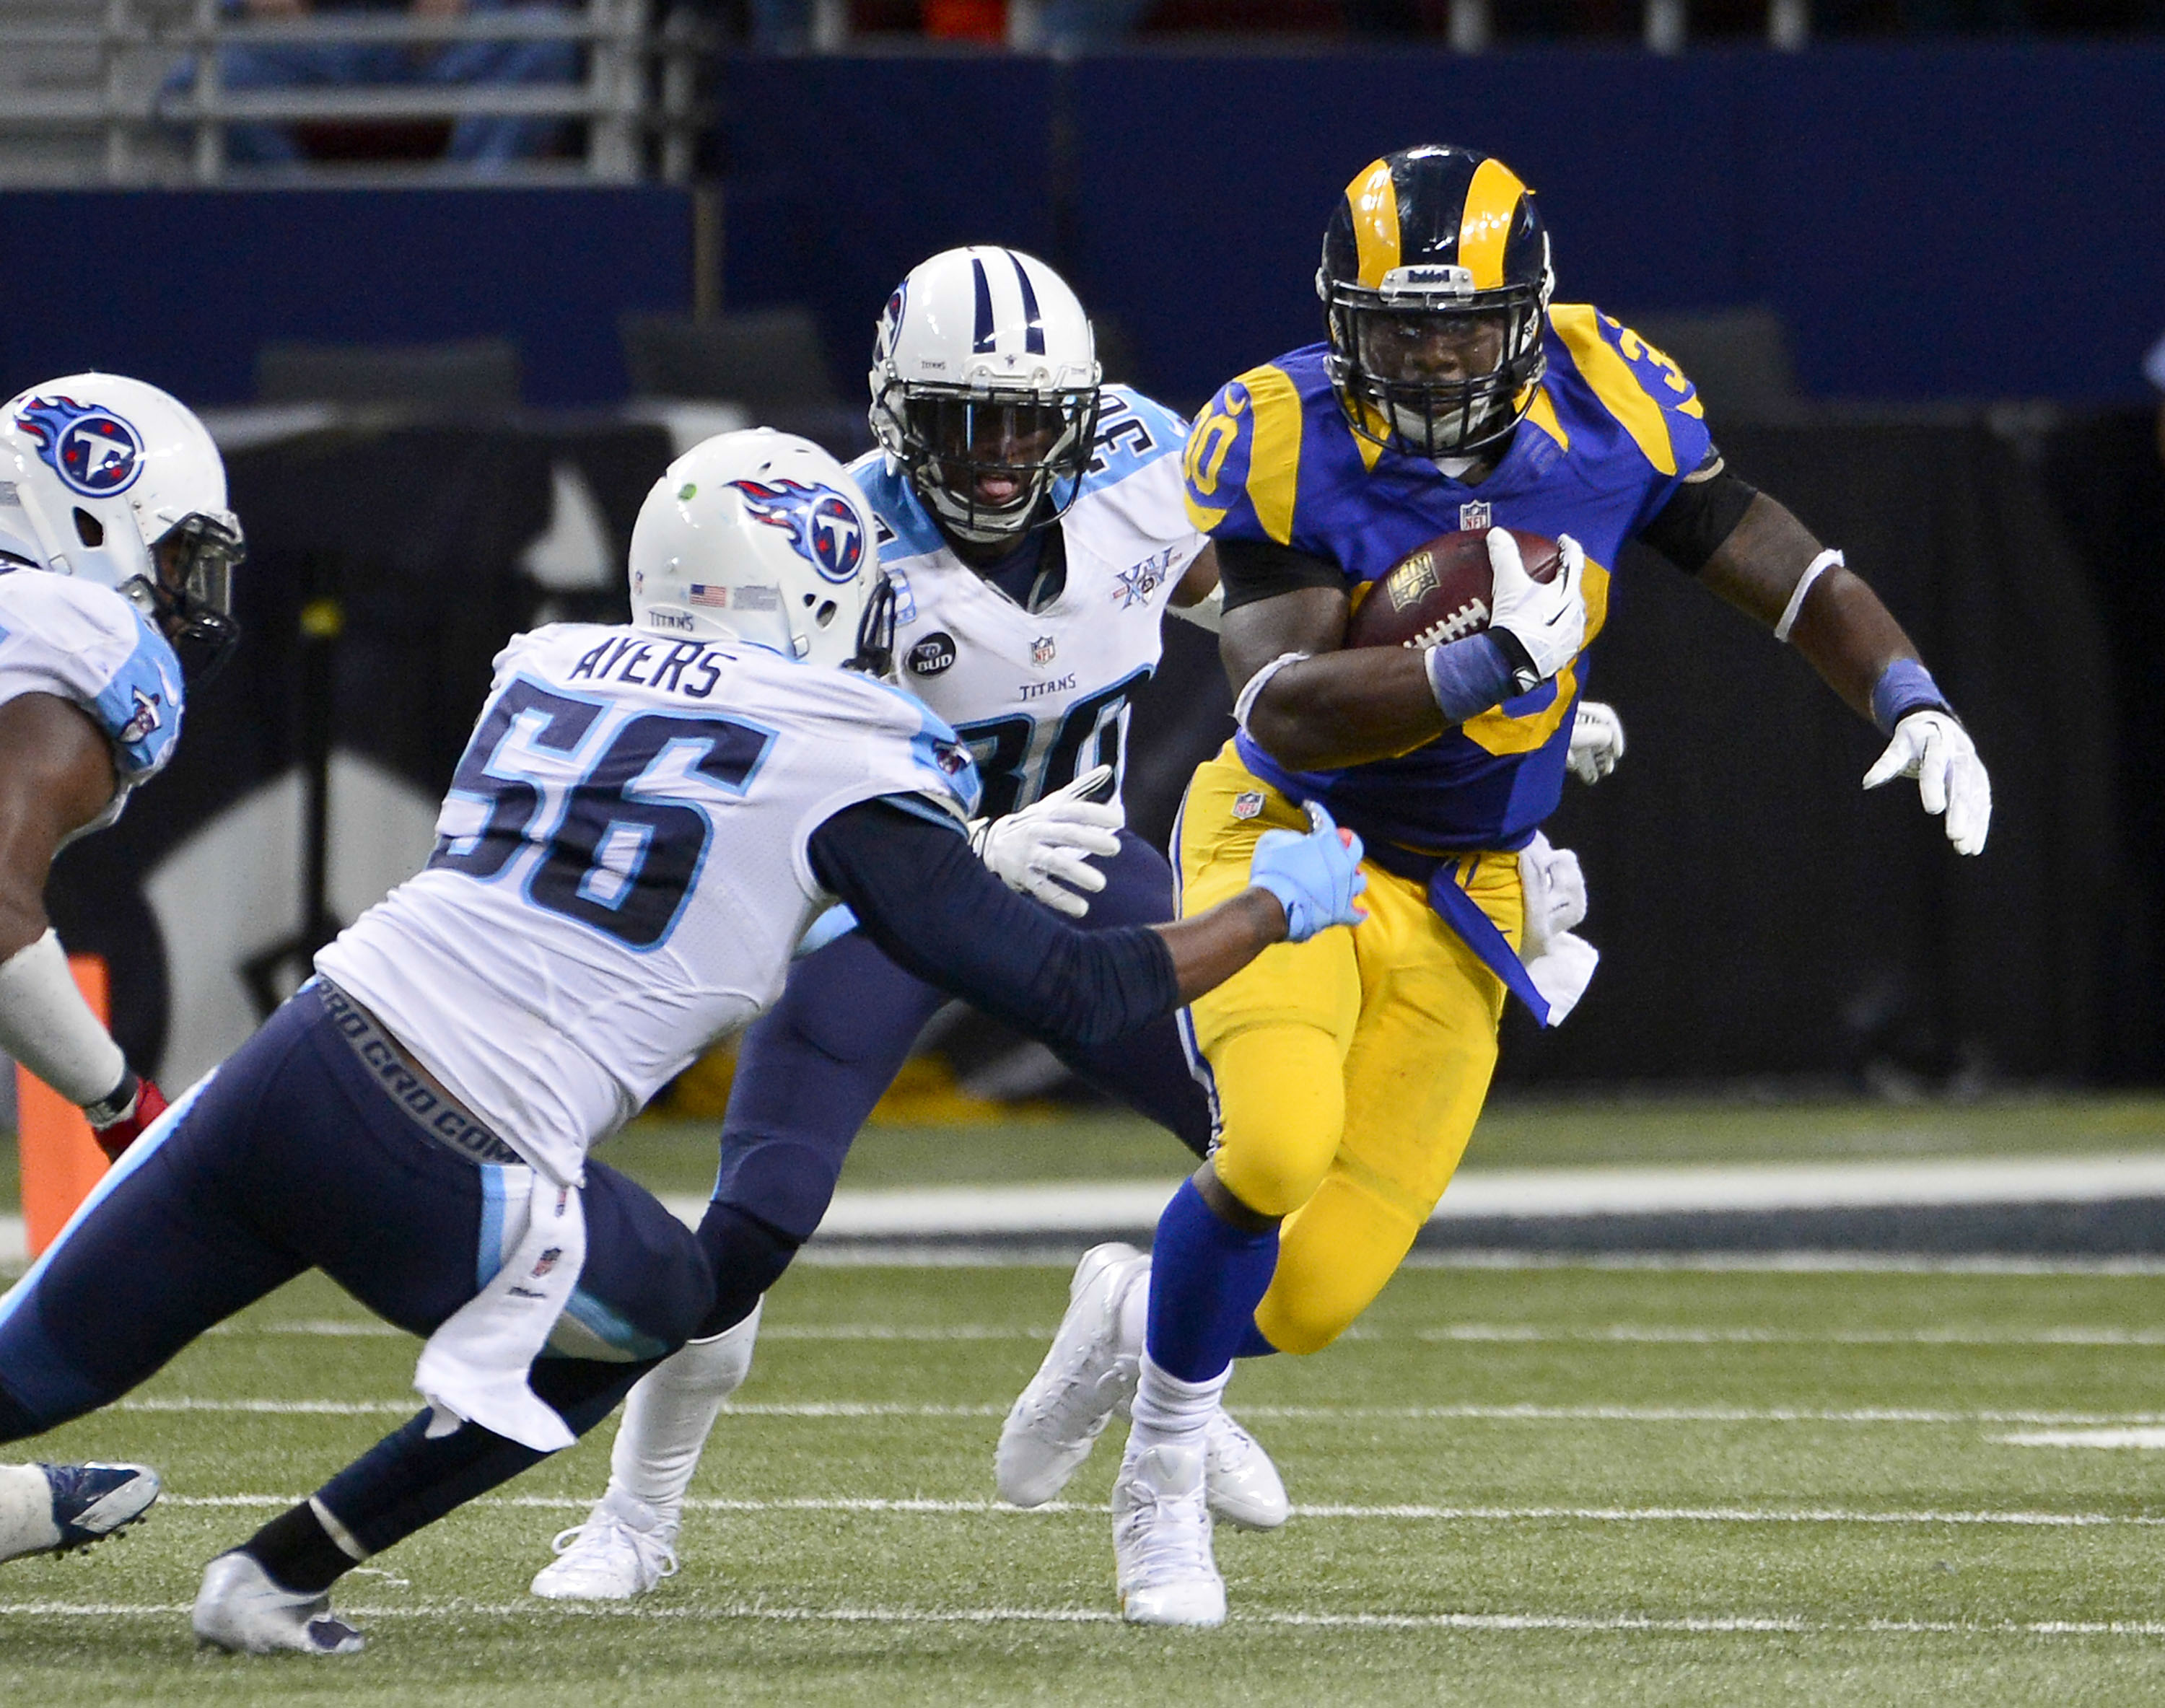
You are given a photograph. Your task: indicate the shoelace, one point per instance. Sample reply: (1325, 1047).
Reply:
(1180, 1541)
(607, 1530)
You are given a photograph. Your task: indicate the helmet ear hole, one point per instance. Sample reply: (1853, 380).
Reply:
(88, 529)
(825, 614)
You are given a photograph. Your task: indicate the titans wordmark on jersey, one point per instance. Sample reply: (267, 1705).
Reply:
(621, 871)
(1042, 696)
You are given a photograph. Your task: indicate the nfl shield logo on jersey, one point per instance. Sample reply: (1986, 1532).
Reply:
(1042, 649)
(1247, 805)
(1474, 513)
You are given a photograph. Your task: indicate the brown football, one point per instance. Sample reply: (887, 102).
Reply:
(1441, 591)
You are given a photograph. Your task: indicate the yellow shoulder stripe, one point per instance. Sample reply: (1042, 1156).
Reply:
(1485, 226)
(1541, 412)
(1611, 378)
(1373, 199)
(1273, 450)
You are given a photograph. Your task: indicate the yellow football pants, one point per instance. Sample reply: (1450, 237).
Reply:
(1348, 1070)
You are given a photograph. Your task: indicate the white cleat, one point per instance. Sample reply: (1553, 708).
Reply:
(1241, 1482)
(623, 1549)
(1162, 1541)
(1087, 1374)
(240, 1609)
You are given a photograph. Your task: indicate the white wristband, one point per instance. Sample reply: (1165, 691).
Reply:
(46, 1026)
(1813, 571)
(1257, 682)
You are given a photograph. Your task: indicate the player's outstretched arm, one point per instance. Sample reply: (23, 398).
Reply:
(55, 776)
(934, 910)
(1770, 566)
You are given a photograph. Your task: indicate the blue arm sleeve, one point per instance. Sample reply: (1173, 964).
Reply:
(923, 896)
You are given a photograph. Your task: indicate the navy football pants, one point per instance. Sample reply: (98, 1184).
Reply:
(810, 1069)
(293, 1156)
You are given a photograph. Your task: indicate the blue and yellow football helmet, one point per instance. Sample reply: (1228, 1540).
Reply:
(1434, 276)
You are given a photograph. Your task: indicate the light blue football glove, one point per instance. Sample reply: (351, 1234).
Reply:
(1315, 876)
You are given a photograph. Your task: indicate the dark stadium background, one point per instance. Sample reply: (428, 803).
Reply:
(1953, 245)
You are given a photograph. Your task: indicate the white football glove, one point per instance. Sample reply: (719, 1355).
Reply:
(1043, 850)
(1936, 751)
(1560, 963)
(1548, 619)
(1597, 741)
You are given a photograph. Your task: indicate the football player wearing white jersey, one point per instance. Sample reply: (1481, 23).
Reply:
(645, 822)
(116, 555)
(1033, 525)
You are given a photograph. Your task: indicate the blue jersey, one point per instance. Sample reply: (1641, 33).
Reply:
(1613, 431)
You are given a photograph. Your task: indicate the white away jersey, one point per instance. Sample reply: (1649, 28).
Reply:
(1041, 697)
(621, 870)
(85, 643)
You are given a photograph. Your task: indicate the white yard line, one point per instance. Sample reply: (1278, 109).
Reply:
(1415, 1414)
(1623, 1624)
(875, 1505)
(1470, 1333)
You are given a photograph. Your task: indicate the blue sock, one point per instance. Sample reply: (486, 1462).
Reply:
(1253, 1343)
(1207, 1277)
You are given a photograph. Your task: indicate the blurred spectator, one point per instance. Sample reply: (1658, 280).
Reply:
(475, 139)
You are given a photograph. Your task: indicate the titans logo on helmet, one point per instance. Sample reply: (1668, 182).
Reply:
(93, 450)
(821, 523)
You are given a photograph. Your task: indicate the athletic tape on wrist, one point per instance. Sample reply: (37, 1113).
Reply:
(46, 1026)
(1817, 567)
(1257, 682)
(1468, 677)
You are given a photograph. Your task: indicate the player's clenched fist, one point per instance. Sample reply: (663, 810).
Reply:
(1315, 876)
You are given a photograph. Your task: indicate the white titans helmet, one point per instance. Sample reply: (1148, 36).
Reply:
(762, 537)
(984, 385)
(118, 483)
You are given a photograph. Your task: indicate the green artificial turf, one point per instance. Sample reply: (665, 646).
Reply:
(1515, 1133)
(1552, 1484)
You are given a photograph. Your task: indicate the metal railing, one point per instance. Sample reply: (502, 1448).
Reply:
(640, 87)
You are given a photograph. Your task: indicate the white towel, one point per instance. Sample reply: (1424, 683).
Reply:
(475, 1366)
(1562, 971)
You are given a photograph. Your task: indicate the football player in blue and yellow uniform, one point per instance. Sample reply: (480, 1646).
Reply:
(1348, 1070)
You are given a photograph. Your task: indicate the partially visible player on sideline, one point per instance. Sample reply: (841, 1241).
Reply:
(645, 822)
(1450, 393)
(116, 558)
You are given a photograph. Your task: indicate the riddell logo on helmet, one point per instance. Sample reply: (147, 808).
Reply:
(92, 449)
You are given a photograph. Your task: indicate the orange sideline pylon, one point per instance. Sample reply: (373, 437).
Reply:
(61, 1160)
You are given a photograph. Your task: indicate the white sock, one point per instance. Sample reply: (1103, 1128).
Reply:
(26, 1512)
(670, 1412)
(1170, 1412)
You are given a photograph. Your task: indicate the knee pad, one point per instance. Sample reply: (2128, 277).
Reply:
(748, 1256)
